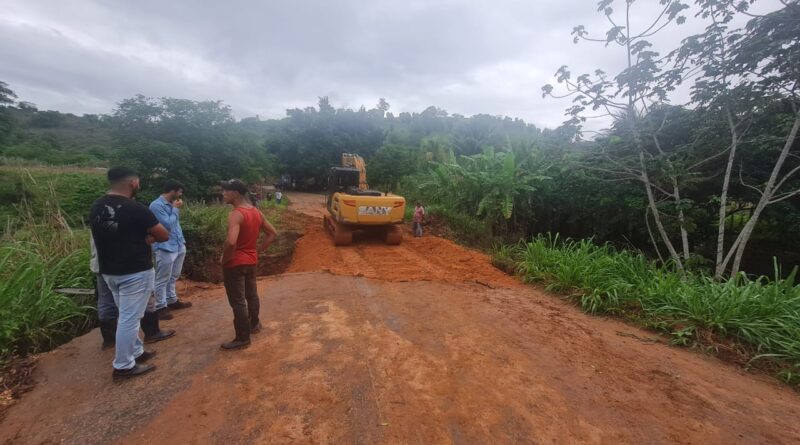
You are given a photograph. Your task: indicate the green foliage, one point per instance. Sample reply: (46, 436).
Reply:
(204, 228)
(759, 312)
(35, 261)
(486, 185)
(41, 190)
(390, 164)
(47, 119)
(197, 143)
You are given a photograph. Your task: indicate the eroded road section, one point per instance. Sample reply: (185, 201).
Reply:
(459, 355)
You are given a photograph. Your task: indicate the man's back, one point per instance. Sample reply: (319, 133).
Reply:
(119, 228)
(249, 229)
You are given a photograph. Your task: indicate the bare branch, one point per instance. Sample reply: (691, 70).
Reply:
(785, 178)
(758, 190)
(657, 30)
(708, 159)
(783, 196)
(655, 22)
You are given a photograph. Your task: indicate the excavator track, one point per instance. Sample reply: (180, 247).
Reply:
(393, 235)
(342, 235)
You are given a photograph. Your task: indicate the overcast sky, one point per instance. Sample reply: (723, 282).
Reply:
(262, 57)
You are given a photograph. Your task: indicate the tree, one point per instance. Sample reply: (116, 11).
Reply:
(7, 96)
(744, 90)
(47, 119)
(195, 142)
(390, 164)
(740, 74)
(627, 98)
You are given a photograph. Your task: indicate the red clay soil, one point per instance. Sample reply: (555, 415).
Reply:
(348, 359)
(416, 259)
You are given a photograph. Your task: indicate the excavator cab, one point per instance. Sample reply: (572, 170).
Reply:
(340, 178)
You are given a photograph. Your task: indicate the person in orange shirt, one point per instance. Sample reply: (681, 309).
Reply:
(240, 259)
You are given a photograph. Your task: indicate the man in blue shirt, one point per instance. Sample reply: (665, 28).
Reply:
(171, 253)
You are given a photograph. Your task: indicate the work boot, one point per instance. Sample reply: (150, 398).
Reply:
(145, 356)
(180, 305)
(235, 344)
(152, 331)
(137, 370)
(257, 328)
(164, 314)
(108, 329)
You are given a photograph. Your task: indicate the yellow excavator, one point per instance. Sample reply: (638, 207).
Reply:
(353, 206)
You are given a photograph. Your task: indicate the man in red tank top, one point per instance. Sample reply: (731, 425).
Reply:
(240, 258)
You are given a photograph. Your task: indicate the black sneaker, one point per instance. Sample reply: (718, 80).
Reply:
(164, 314)
(235, 344)
(257, 328)
(179, 305)
(160, 335)
(137, 370)
(146, 355)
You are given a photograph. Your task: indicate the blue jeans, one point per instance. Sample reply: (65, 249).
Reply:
(168, 270)
(131, 293)
(106, 308)
(417, 229)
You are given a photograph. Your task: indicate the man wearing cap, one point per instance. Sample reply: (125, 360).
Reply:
(123, 230)
(240, 258)
(169, 254)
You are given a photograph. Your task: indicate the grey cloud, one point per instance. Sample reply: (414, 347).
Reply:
(263, 57)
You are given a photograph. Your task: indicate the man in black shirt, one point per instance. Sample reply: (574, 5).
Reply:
(123, 230)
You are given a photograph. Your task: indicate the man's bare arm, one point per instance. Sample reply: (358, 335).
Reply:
(158, 233)
(229, 248)
(269, 231)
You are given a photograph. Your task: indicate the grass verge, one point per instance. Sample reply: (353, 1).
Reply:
(756, 320)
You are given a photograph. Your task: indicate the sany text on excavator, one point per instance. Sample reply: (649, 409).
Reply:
(352, 206)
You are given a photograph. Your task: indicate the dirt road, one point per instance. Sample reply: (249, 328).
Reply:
(459, 353)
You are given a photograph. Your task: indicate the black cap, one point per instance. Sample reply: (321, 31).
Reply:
(235, 185)
(119, 173)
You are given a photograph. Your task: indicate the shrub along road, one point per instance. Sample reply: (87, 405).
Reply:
(429, 345)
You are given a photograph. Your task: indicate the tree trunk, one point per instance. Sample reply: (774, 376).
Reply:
(681, 219)
(766, 196)
(719, 269)
(650, 232)
(656, 216)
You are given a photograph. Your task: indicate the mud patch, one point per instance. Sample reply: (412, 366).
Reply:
(16, 378)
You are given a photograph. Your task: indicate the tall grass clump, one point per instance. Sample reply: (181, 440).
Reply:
(204, 228)
(762, 313)
(35, 260)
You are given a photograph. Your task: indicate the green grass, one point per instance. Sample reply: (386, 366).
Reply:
(33, 263)
(762, 313)
(204, 227)
(41, 189)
